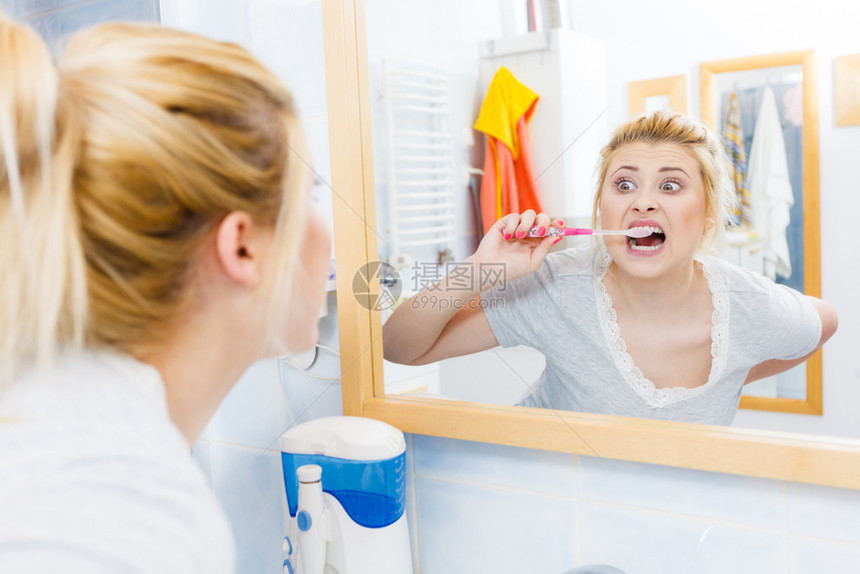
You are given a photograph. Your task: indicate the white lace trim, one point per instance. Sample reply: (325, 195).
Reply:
(653, 396)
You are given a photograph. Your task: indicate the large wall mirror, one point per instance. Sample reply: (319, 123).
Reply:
(402, 101)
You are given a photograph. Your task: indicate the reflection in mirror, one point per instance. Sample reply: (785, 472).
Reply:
(652, 326)
(771, 244)
(428, 161)
(448, 173)
(757, 104)
(656, 103)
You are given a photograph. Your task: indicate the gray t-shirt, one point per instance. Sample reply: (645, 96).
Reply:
(563, 310)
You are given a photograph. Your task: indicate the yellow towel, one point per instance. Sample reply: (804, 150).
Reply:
(507, 100)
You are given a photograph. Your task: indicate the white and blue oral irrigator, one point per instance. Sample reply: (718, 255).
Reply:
(346, 493)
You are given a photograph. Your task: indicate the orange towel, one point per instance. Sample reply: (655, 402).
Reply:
(508, 185)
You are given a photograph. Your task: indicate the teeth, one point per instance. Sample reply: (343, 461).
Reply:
(632, 243)
(635, 247)
(651, 228)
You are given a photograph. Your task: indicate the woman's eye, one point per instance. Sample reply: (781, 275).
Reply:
(625, 186)
(670, 186)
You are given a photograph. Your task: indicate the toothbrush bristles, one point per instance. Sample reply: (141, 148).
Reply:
(638, 232)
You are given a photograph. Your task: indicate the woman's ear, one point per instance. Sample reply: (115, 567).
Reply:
(239, 247)
(709, 223)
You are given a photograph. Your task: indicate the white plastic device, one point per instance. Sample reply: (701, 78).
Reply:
(329, 540)
(312, 520)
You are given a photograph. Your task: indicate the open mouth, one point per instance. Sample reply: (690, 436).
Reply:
(649, 243)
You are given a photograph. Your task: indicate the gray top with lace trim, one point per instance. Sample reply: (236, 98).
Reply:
(563, 310)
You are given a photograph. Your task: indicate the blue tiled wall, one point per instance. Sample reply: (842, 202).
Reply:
(55, 19)
(489, 508)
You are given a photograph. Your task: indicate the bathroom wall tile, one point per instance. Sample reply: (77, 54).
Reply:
(62, 3)
(824, 512)
(170, 13)
(84, 15)
(250, 486)
(289, 41)
(328, 329)
(27, 8)
(204, 434)
(250, 414)
(550, 473)
(316, 132)
(225, 20)
(750, 501)
(809, 555)
(465, 529)
(201, 452)
(305, 398)
(645, 542)
(48, 27)
(324, 199)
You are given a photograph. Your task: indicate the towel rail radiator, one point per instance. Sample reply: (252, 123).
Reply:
(421, 181)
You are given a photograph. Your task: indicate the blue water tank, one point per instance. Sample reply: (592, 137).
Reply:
(363, 465)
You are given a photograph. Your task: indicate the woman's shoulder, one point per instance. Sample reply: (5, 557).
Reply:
(729, 277)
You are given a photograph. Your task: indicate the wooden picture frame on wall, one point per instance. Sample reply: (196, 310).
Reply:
(846, 77)
(672, 90)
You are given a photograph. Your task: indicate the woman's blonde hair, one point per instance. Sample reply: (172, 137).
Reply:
(115, 166)
(673, 128)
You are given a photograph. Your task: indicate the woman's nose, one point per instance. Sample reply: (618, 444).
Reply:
(645, 203)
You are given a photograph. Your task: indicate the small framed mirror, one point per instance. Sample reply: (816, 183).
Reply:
(646, 96)
(765, 107)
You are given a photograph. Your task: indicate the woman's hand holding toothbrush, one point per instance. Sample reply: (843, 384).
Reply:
(507, 243)
(447, 320)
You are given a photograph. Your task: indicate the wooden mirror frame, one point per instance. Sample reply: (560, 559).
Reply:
(812, 404)
(775, 455)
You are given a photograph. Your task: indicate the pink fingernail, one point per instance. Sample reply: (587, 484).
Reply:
(521, 234)
(557, 239)
(541, 231)
(502, 232)
(507, 235)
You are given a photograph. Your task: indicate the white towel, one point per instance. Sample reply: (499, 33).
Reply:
(770, 187)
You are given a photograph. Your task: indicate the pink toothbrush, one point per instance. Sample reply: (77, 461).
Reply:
(636, 232)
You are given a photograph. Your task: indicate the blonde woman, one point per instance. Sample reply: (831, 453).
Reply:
(656, 327)
(157, 238)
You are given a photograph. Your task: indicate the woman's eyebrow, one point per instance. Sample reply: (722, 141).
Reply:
(662, 169)
(630, 167)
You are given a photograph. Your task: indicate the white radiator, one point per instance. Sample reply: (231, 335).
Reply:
(421, 181)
